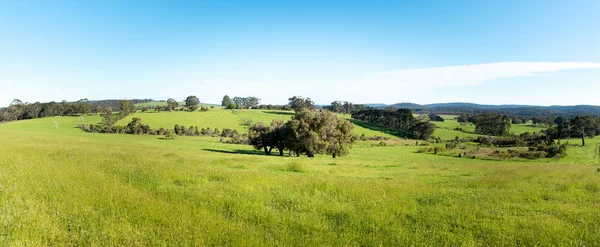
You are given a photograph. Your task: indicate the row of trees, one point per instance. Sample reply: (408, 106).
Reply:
(240, 102)
(18, 110)
(401, 120)
(577, 127)
(345, 107)
(309, 132)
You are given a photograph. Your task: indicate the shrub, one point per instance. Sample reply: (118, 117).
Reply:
(170, 135)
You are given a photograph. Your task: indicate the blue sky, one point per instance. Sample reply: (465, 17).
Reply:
(492, 52)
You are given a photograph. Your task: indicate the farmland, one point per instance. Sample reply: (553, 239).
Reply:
(61, 186)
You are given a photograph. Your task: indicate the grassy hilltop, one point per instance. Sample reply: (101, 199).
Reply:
(66, 187)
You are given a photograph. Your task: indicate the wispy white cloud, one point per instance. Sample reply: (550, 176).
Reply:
(466, 75)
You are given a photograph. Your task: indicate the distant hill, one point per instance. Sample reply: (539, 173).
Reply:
(513, 110)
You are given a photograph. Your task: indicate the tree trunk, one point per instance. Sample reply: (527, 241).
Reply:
(333, 155)
(267, 151)
(582, 139)
(280, 152)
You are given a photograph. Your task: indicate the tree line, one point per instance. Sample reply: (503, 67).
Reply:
(401, 120)
(18, 110)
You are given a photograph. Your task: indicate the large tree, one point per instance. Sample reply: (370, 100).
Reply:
(192, 103)
(226, 102)
(260, 137)
(584, 126)
(313, 132)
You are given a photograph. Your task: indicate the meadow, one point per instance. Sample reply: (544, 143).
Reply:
(231, 119)
(66, 187)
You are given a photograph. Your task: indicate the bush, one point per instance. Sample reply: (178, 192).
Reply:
(556, 151)
(170, 135)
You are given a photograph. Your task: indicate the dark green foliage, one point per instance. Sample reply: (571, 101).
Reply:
(492, 124)
(309, 132)
(226, 102)
(584, 126)
(192, 103)
(401, 120)
(172, 104)
(464, 118)
(435, 117)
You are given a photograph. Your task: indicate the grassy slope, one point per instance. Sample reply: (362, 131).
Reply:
(65, 187)
(222, 118)
(446, 129)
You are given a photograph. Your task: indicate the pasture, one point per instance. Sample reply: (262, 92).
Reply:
(66, 187)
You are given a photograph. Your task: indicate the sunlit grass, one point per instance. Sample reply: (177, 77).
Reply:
(65, 187)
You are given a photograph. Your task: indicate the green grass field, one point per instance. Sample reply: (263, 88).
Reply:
(223, 118)
(61, 187)
(446, 130)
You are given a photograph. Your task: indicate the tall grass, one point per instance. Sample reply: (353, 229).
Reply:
(65, 187)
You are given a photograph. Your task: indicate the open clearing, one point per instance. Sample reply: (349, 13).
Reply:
(66, 187)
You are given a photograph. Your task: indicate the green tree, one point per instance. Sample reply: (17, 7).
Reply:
(192, 103)
(126, 107)
(107, 118)
(172, 104)
(584, 126)
(492, 124)
(226, 102)
(84, 106)
(313, 132)
(260, 137)
(422, 130)
(337, 106)
(298, 103)
(562, 126)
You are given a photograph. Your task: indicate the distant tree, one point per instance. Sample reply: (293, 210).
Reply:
(192, 103)
(463, 118)
(584, 126)
(348, 107)
(516, 120)
(172, 104)
(107, 118)
(562, 126)
(421, 130)
(492, 124)
(434, 117)
(251, 102)
(126, 107)
(298, 103)
(337, 107)
(226, 102)
(83, 106)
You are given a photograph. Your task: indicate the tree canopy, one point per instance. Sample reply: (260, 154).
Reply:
(192, 103)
